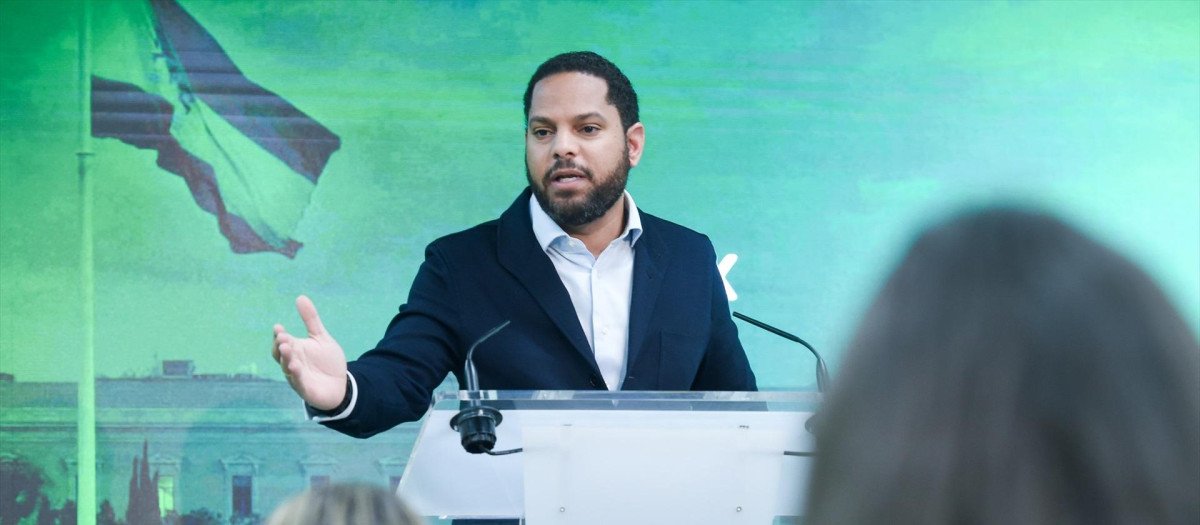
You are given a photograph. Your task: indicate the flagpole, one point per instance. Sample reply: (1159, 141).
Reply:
(86, 464)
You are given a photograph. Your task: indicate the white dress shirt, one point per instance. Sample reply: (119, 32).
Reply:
(600, 287)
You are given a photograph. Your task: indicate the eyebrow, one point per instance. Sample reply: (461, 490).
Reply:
(583, 116)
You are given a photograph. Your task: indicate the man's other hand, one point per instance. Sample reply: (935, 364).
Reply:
(315, 366)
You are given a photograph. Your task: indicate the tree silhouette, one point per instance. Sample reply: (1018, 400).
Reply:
(143, 492)
(106, 515)
(201, 516)
(45, 514)
(20, 489)
(66, 515)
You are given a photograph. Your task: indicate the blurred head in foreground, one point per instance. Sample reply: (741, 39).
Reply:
(1013, 371)
(344, 504)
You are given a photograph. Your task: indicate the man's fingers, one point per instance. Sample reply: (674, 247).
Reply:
(277, 339)
(308, 313)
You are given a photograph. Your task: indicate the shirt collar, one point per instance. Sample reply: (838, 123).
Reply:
(547, 231)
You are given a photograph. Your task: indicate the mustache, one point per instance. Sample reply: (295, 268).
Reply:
(565, 164)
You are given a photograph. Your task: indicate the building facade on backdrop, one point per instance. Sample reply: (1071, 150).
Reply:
(237, 445)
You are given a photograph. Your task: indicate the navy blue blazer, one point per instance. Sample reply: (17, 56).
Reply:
(681, 335)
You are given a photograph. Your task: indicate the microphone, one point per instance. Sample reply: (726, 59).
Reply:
(822, 373)
(476, 424)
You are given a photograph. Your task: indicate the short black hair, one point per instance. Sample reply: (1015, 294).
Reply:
(620, 91)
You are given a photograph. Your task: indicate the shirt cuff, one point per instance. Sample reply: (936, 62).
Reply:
(321, 416)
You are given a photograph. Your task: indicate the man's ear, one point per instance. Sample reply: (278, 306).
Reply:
(635, 137)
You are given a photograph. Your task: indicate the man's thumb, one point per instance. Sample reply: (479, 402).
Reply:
(308, 313)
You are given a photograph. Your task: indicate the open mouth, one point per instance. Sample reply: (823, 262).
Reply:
(567, 176)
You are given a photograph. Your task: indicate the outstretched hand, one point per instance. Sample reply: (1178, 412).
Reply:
(315, 366)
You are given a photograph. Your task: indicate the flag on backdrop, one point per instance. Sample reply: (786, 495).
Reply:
(161, 82)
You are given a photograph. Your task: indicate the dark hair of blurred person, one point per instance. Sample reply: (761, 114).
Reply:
(344, 504)
(1011, 371)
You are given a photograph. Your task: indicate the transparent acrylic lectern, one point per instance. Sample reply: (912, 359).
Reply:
(619, 457)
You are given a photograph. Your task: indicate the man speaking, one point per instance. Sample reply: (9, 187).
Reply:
(599, 294)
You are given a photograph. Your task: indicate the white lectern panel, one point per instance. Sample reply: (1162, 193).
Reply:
(619, 457)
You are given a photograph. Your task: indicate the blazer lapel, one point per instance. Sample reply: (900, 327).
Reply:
(520, 254)
(651, 258)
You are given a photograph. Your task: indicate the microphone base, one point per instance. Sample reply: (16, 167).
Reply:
(477, 428)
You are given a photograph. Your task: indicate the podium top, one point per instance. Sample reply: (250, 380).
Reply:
(789, 401)
(598, 457)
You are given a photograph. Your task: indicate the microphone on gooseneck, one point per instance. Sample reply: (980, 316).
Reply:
(476, 424)
(822, 373)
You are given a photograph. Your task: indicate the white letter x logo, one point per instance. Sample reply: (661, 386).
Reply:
(724, 266)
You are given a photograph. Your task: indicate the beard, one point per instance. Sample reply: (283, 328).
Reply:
(601, 198)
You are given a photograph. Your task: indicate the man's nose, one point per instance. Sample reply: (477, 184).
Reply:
(564, 146)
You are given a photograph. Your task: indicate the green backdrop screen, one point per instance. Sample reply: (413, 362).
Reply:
(810, 139)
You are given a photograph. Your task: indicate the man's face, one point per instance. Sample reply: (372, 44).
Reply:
(577, 157)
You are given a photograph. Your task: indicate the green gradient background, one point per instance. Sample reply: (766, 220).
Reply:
(811, 139)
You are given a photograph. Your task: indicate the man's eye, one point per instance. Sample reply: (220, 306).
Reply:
(541, 133)
(590, 129)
